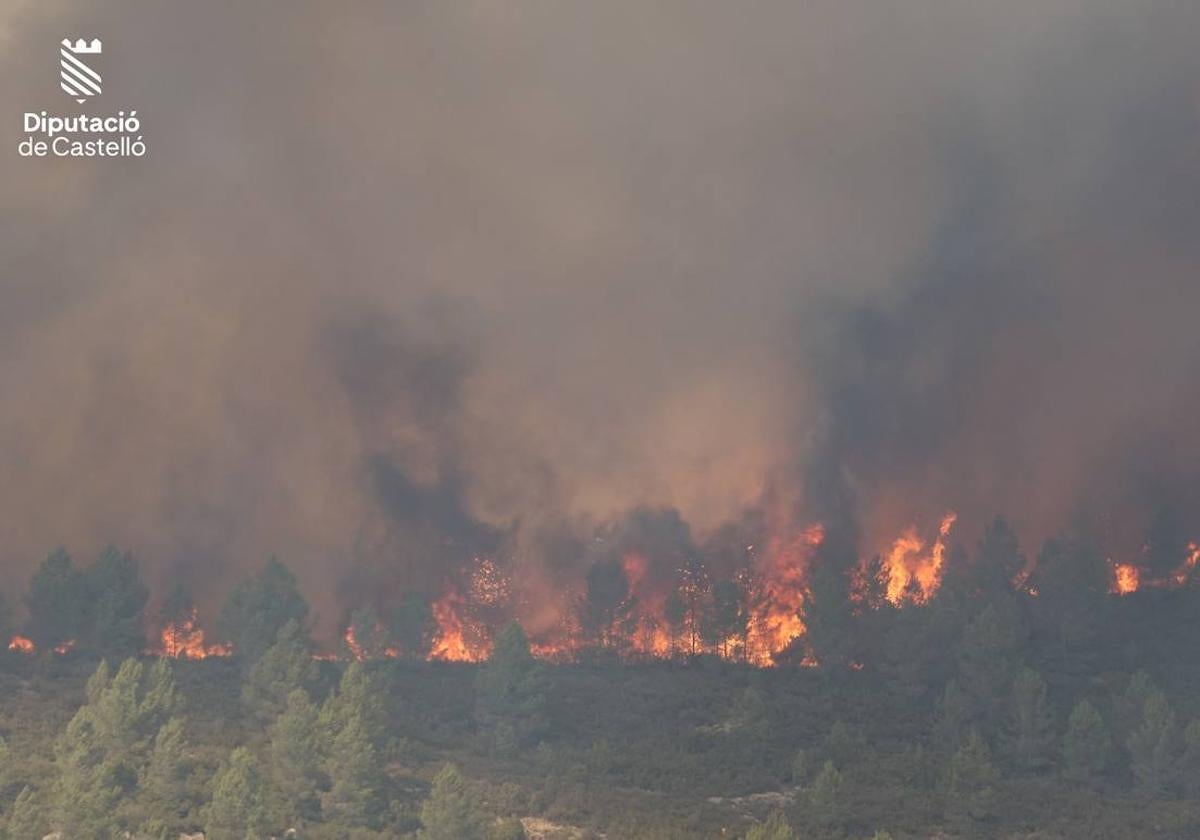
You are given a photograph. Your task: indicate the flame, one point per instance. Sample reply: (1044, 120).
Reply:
(20, 644)
(357, 651)
(651, 635)
(777, 593)
(906, 563)
(352, 644)
(184, 639)
(451, 643)
(1181, 575)
(1126, 578)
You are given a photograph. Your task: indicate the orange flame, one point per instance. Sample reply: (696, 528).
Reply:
(778, 594)
(20, 644)
(451, 643)
(1184, 572)
(356, 649)
(1126, 578)
(651, 636)
(906, 563)
(184, 639)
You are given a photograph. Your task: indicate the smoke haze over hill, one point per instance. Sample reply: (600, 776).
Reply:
(397, 289)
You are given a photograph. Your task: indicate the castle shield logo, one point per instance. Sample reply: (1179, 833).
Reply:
(75, 77)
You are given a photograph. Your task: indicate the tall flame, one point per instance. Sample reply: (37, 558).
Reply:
(778, 593)
(906, 563)
(451, 643)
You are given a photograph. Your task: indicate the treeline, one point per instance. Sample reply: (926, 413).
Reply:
(100, 609)
(315, 754)
(1010, 701)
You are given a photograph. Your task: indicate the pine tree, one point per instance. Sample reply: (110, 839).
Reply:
(118, 598)
(675, 616)
(1152, 746)
(774, 828)
(1071, 579)
(999, 560)
(356, 775)
(284, 667)
(989, 656)
(25, 819)
(358, 695)
(606, 604)
(1131, 705)
(510, 689)
(256, 612)
(970, 783)
(1087, 744)
(296, 754)
(88, 787)
(954, 719)
(827, 617)
(749, 711)
(845, 744)
(801, 766)
(913, 650)
(413, 627)
(726, 617)
(107, 746)
(164, 779)
(450, 812)
(1029, 733)
(57, 602)
(237, 809)
(825, 796)
(1189, 766)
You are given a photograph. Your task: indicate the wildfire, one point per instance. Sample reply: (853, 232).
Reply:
(353, 645)
(1184, 572)
(184, 639)
(20, 644)
(451, 643)
(360, 651)
(906, 563)
(778, 594)
(651, 637)
(1126, 578)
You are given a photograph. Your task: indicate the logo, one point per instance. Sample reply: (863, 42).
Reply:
(75, 77)
(82, 135)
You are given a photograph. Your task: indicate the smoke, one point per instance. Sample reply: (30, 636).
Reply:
(395, 288)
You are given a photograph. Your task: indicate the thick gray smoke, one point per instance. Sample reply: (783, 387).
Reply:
(400, 284)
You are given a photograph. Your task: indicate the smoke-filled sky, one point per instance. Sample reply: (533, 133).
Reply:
(397, 283)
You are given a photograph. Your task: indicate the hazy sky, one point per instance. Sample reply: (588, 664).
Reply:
(549, 262)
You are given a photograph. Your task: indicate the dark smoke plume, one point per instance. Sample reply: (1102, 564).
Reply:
(398, 287)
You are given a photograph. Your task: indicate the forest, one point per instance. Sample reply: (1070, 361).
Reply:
(1014, 699)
